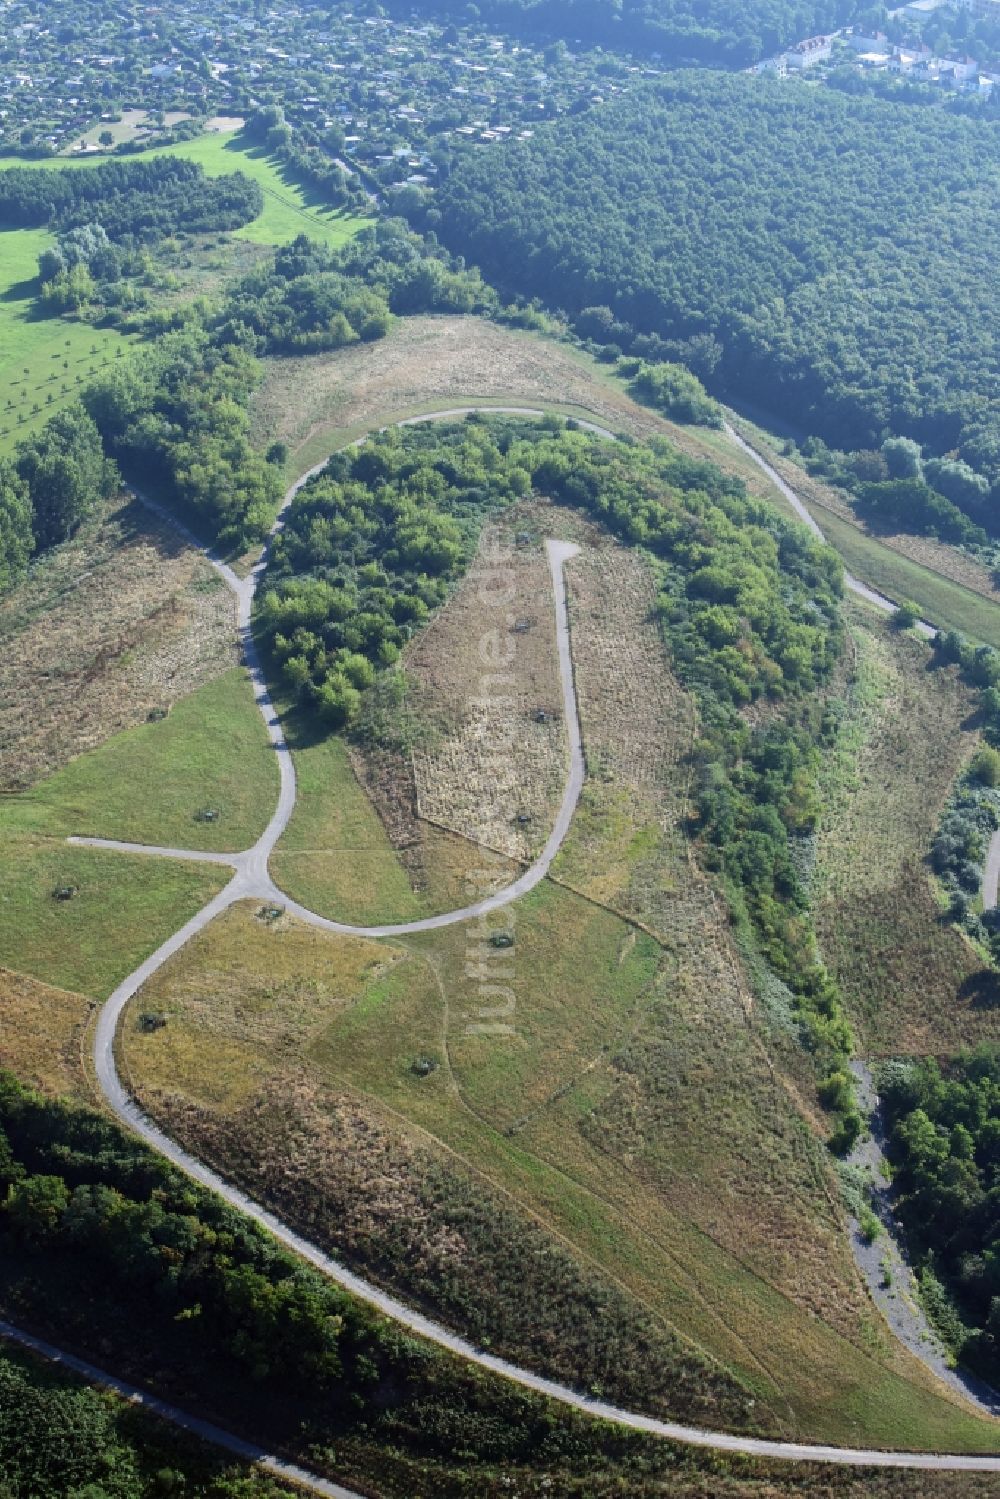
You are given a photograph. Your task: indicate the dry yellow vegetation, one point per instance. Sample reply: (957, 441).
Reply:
(42, 1033)
(122, 619)
(912, 981)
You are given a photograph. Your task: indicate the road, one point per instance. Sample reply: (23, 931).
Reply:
(251, 880)
(290, 1472)
(854, 585)
(884, 1264)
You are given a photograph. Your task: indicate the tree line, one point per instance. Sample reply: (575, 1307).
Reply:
(830, 258)
(100, 1236)
(728, 32)
(944, 1123)
(54, 481)
(135, 201)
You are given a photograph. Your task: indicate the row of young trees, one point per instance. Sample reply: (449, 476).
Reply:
(825, 257)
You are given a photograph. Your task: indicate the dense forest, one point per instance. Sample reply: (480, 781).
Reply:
(748, 603)
(134, 201)
(833, 257)
(732, 32)
(59, 1437)
(945, 1135)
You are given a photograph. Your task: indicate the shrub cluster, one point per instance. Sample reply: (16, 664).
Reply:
(945, 1145)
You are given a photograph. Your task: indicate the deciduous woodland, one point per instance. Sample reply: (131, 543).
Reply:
(834, 258)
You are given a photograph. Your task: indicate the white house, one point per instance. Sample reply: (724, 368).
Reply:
(808, 53)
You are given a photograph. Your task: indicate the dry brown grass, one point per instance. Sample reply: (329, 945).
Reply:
(488, 678)
(315, 402)
(41, 1033)
(911, 980)
(122, 619)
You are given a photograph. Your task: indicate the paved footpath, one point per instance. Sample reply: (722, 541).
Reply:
(251, 880)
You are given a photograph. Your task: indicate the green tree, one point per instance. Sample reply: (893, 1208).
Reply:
(16, 539)
(66, 474)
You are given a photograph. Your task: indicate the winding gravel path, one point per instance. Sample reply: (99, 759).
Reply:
(880, 600)
(251, 880)
(290, 1472)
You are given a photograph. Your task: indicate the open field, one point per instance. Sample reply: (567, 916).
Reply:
(318, 402)
(123, 908)
(43, 360)
(486, 673)
(123, 619)
(912, 982)
(369, 1117)
(150, 784)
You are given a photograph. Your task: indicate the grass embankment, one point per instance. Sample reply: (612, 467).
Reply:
(952, 590)
(145, 785)
(335, 856)
(151, 784)
(913, 983)
(618, 1182)
(44, 360)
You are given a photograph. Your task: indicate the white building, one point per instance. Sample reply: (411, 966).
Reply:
(808, 53)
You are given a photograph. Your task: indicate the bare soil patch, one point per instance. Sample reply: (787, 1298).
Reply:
(123, 619)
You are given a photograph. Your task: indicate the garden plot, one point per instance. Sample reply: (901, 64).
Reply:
(122, 620)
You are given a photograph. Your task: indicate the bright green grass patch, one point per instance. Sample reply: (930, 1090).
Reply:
(147, 784)
(44, 361)
(945, 603)
(125, 906)
(291, 207)
(335, 856)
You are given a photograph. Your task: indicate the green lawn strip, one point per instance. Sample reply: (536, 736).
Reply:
(335, 856)
(148, 784)
(124, 906)
(39, 356)
(945, 603)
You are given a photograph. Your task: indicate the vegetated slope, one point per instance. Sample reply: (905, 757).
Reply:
(264, 1344)
(59, 1436)
(837, 254)
(721, 31)
(945, 1142)
(912, 983)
